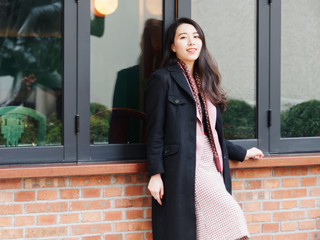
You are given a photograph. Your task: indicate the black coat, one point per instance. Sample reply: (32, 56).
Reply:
(171, 151)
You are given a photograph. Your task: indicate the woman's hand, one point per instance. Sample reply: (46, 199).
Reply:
(156, 187)
(254, 153)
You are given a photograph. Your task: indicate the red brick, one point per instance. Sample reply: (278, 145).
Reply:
(91, 192)
(292, 236)
(237, 185)
(308, 203)
(31, 183)
(314, 213)
(292, 193)
(46, 232)
(46, 207)
(148, 235)
(47, 219)
(253, 173)
(271, 205)
(258, 217)
(129, 178)
(315, 169)
(308, 224)
(148, 213)
(89, 205)
(113, 237)
(24, 220)
(112, 192)
(24, 196)
(313, 235)
(271, 183)
(290, 171)
(10, 183)
(270, 227)
(91, 216)
(69, 194)
(134, 214)
(254, 228)
(318, 223)
(132, 226)
(256, 184)
(89, 181)
(6, 197)
(262, 237)
(310, 181)
(289, 204)
(10, 209)
(249, 196)
(91, 238)
(288, 215)
(5, 221)
(289, 226)
(112, 215)
(314, 192)
(69, 218)
(252, 207)
(9, 234)
(91, 228)
(134, 190)
(47, 195)
(290, 182)
(134, 236)
(133, 202)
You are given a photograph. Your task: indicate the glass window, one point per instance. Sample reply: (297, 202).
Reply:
(230, 31)
(126, 40)
(300, 68)
(30, 73)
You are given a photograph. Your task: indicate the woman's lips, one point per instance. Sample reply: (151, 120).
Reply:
(191, 50)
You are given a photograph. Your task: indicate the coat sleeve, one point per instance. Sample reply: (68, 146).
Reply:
(155, 117)
(235, 152)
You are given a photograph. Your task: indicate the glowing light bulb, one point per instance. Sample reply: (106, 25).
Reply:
(101, 8)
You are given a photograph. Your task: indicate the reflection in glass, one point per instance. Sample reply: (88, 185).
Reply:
(300, 68)
(125, 50)
(30, 73)
(230, 28)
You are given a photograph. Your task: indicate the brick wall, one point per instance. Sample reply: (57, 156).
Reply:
(279, 203)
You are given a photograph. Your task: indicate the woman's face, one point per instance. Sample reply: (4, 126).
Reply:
(187, 43)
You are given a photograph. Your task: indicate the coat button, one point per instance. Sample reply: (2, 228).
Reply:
(177, 101)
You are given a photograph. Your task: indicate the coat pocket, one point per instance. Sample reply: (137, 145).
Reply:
(170, 149)
(176, 100)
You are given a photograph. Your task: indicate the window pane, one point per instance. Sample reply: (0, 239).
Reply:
(230, 29)
(30, 73)
(300, 68)
(125, 50)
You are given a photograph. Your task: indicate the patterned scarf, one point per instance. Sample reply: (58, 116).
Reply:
(197, 84)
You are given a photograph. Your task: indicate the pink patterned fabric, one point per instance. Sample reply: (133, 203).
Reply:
(218, 215)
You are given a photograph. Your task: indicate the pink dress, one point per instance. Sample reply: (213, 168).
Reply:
(218, 215)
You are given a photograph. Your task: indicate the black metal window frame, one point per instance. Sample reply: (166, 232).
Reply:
(67, 152)
(76, 94)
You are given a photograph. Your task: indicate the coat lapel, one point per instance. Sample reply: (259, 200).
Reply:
(179, 77)
(181, 80)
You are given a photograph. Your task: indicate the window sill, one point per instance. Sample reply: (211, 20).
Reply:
(88, 169)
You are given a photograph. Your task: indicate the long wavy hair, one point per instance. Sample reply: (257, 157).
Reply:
(205, 64)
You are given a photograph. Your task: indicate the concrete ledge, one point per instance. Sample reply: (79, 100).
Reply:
(89, 169)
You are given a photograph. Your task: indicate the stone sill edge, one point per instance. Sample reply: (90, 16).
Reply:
(91, 169)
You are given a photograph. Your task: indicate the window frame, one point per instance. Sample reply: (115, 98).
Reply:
(66, 152)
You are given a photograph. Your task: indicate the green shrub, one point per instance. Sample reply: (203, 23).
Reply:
(99, 123)
(301, 120)
(239, 120)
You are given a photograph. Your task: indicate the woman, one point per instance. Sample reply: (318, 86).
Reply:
(187, 153)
